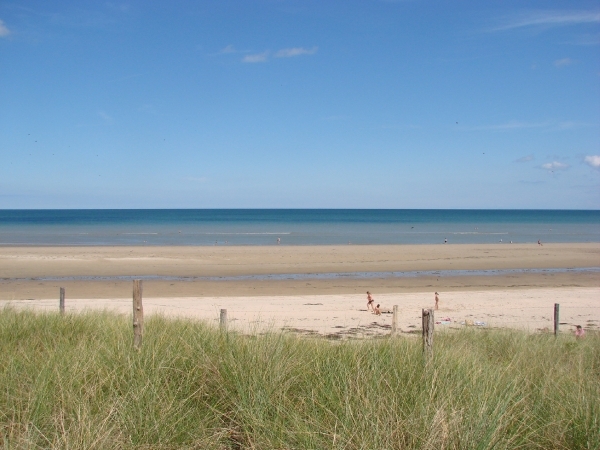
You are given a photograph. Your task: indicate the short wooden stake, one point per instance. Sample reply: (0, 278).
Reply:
(428, 323)
(395, 320)
(138, 314)
(61, 302)
(223, 320)
(556, 318)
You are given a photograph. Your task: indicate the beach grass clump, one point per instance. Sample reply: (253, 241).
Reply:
(75, 381)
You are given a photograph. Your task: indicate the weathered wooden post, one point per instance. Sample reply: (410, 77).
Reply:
(61, 302)
(223, 320)
(138, 314)
(395, 320)
(556, 318)
(428, 322)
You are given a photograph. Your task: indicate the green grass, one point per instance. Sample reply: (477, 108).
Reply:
(75, 382)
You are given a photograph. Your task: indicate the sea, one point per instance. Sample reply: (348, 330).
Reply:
(205, 227)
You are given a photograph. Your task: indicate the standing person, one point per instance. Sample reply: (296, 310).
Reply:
(370, 301)
(540, 242)
(437, 300)
(278, 241)
(579, 332)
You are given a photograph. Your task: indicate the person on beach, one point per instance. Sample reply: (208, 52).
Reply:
(437, 300)
(579, 332)
(370, 301)
(540, 242)
(377, 310)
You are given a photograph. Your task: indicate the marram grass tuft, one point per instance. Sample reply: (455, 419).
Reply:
(76, 382)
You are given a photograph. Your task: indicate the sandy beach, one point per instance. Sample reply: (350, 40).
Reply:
(318, 289)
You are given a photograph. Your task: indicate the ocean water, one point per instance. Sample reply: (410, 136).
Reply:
(294, 226)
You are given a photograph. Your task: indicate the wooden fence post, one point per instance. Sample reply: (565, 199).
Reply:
(556, 318)
(138, 314)
(61, 302)
(223, 320)
(395, 320)
(428, 322)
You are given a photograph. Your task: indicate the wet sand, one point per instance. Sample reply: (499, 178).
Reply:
(36, 272)
(249, 260)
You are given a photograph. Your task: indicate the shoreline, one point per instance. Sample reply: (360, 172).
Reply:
(222, 244)
(322, 275)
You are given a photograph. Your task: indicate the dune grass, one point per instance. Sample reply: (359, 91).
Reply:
(75, 382)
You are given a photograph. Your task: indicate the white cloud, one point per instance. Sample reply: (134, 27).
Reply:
(4, 31)
(555, 165)
(551, 19)
(525, 158)
(229, 49)
(571, 125)
(563, 62)
(264, 56)
(515, 125)
(512, 125)
(593, 160)
(295, 51)
(256, 58)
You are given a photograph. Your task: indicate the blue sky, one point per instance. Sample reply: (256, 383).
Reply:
(294, 104)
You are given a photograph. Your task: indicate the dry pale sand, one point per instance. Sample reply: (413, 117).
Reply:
(31, 276)
(346, 315)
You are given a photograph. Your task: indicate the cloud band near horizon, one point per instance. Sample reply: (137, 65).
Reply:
(283, 53)
(550, 19)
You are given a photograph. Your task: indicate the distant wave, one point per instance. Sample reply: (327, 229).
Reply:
(473, 232)
(234, 234)
(135, 234)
